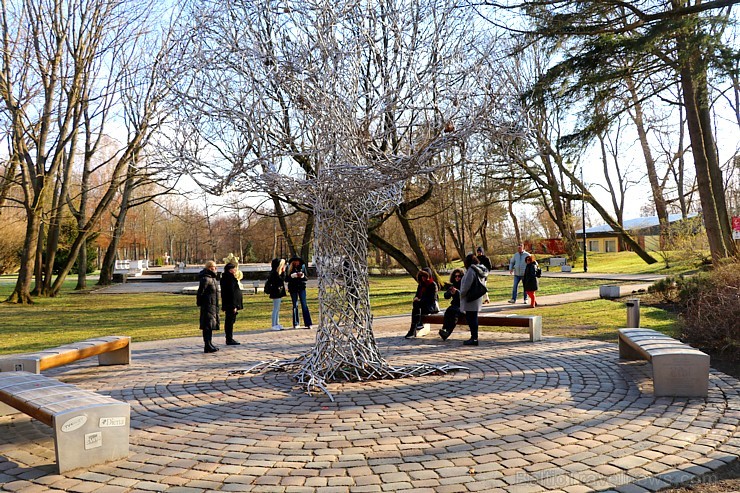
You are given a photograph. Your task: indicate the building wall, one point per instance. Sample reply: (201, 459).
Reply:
(602, 245)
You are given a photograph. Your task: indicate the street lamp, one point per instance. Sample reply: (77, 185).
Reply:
(583, 221)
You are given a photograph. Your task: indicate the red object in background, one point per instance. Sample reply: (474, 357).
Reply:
(549, 246)
(736, 223)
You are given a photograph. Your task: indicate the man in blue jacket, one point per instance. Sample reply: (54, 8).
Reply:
(517, 266)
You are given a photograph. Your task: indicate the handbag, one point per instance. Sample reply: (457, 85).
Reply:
(477, 289)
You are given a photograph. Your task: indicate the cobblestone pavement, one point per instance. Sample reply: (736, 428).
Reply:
(557, 415)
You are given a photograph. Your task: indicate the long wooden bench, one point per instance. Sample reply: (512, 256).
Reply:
(110, 350)
(678, 369)
(532, 322)
(88, 428)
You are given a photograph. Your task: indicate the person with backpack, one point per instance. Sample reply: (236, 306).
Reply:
(472, 291)
(530, 279)
(297, 281)
(275, 288)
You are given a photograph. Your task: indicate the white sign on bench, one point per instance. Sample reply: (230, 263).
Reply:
(89, 428)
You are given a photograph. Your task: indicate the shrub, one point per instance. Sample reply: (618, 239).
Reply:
(710, 310)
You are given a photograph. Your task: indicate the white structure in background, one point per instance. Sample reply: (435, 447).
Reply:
(132, 268)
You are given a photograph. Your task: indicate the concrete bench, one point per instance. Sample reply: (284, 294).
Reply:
(88, 428)
(678, 369)
(110, 350)
(532, 322)
(554, 262)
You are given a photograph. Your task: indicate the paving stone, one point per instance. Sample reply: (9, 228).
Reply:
(509, 424)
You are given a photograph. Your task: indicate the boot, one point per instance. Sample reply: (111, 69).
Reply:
(471, 342)
(443, 334)
(411, 333)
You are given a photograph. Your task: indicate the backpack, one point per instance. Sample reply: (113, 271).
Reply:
(538, 272)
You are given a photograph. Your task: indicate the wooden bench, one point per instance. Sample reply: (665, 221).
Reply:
(532, 322)
(678, 369)
(110, 350)
(88, 428)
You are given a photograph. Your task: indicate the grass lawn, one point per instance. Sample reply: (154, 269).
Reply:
(630, 263)
(153, 316)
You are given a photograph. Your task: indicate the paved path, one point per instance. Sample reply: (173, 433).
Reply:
(558, 415)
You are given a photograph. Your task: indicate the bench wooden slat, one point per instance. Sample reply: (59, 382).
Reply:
(110, 350)
(533, 322)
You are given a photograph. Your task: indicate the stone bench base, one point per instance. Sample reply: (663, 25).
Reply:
(532, 322)
(88, 428)
(678, 369)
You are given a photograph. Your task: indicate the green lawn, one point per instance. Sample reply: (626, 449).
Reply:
(75, 316)
(630, 263)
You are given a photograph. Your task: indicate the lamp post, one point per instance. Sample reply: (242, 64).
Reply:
(583, 221)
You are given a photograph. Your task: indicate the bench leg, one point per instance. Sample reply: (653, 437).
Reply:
(118, 357)
(424, 330)
(535, 328)
(93, 435)
(628, 352)
(681, 375)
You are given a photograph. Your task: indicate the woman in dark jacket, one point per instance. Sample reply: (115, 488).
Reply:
(297, 280)
(275, 288)
(425, 301)
(453, 311)
(207, 300)
(531, 283)
(231, 301)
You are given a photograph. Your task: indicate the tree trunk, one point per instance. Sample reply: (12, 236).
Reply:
(82, 267)
(22, 292)
(408, 264)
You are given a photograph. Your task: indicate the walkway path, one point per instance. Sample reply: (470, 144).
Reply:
(559, 415)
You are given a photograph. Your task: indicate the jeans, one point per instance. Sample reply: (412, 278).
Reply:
(276, 311)
(514, 290)
(472, 319)
(304, 308)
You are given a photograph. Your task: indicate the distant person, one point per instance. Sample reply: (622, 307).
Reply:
(297, 280)
(425, 300)
(483, 260)
(453, 311)
(517, 264)
(530, 283)
(470, 301)
(207, 300)
(275, 288)
(231, 301)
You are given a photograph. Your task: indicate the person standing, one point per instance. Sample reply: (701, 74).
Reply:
(297, 280)
(207, 300)
(453, 311)
(275, 288)
(425, 300)
(474, 272)
(530, 283)
(517, 264)
(483, 260)
(231, 301)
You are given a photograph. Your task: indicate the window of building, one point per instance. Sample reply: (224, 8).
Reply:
(593, 245)
(610, 245)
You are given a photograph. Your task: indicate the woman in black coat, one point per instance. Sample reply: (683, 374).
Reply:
(453, 311)
(207, 300)
(231, 301)
(531, 283)
(425, 301)
(297, 280)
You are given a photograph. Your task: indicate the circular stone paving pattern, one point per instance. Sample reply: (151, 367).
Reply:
(557, 415)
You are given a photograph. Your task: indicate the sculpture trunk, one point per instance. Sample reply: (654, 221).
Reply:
(345, 346)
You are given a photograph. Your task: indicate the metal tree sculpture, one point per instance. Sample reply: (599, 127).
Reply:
(334, 106)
